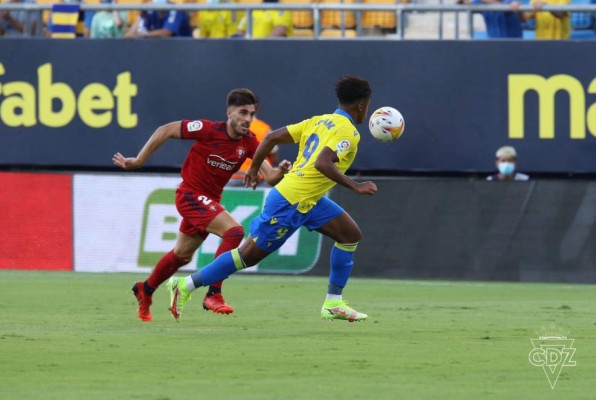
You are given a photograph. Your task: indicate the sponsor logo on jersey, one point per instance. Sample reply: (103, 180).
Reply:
(343, 146)
(218, 162)
(194, 126)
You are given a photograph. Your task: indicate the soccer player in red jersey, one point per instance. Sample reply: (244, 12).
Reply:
(219, 150)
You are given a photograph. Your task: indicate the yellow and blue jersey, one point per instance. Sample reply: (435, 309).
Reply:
(67, 21)
(304, 184)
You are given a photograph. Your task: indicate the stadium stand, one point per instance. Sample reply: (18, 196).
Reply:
(132, 15)
(379, 19)
(303, 34)
(419, 24)
(338, 33)
(301, 19)
(582, 23)
(333, 19)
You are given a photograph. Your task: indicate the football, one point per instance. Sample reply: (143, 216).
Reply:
(386, 124)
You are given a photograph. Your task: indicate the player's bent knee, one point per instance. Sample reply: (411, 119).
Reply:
(351, 236)
(235, 234)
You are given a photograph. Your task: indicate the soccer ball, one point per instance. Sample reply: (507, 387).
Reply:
(386, 124)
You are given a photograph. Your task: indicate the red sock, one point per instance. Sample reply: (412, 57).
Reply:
(166, 267)
(231, 240)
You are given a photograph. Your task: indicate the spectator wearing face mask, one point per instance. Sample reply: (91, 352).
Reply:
(506, 164)
(267, 23)
(160, 24)
(108, 24)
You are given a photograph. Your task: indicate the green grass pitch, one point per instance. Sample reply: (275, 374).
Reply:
(76, 336)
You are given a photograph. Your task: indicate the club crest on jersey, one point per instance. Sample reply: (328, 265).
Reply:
(240, 151)
(194, 126)
(343, 146)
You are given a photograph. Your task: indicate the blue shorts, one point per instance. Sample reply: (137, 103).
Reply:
(279, 220)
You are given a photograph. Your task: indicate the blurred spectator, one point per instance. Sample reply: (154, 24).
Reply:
(267, 23)
(550, 24)
(67, 21)
(108, 24)
(218, 24)
(12, 23)
(501, 24)
(158, 24)
(506, 164)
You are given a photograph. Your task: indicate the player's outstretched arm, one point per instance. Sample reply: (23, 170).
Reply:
(278, 136)
(274, 175)
(325, 164)
(161, 134)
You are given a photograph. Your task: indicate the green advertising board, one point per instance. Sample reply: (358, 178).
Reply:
(161, 221)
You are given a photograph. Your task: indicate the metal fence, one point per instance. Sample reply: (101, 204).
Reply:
(401, 11)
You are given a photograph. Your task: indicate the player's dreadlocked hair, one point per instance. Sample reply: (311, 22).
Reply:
(350, 89)
(242, 97)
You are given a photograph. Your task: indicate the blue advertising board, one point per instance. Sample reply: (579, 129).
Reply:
(75, 103)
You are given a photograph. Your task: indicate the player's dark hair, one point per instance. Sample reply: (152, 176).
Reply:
(350, 89)
(242, 97)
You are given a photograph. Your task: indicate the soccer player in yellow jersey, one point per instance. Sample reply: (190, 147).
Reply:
(327, 147)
